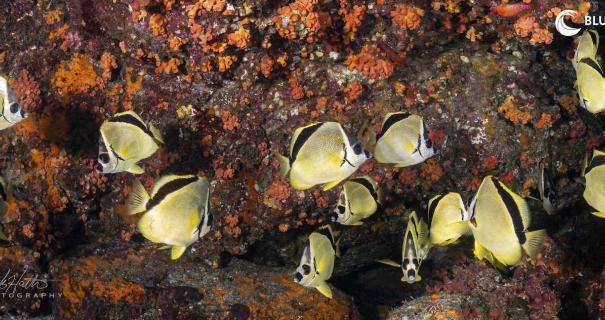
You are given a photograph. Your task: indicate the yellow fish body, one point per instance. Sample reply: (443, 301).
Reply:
(317, 262)
(126, 140)
(403, 140)
(448, 219)
(359, 199)
(11, 112)
(322, 153)
(499, 219)
(587, 47)
(176, 213)
(594, 193)
(590, 84)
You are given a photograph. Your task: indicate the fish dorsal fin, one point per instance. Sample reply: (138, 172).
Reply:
(593, 64)
(391, 119)
(130, 117)
(328, 233)
(516, 207)
(367, 184)
(137, 199)
(301, 135)
(430, 210)
(169, 187)
(598, 159)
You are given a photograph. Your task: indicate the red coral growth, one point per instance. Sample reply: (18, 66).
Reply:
(27, 91)
(437, 137)
(298, 21)
(407, 17)
(509, 10)
(431, 170)
(370, 64)
(490, 163)
(278, 190)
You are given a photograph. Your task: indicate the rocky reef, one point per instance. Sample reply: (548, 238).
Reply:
(227, 82)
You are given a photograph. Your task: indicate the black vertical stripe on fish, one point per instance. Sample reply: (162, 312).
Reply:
(130, 119)
(593, 37)
(2, 192)
(169, 188)
(513, 211)
(201, 225)
(327, 232)
(115, 153)
(390, 122)
(304, 135)
(595, 162)
(366, 184)
(432, 207)
(593, 64)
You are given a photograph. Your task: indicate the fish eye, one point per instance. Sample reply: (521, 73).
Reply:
(357, 149)
(104, 158)
(405, 261)
(341, 209)
(15, 107)
(297, 277)
(306, 269)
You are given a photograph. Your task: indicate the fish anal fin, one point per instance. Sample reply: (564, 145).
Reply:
(599, 214)
(177, 252)
(533, 242)
(357, 223)
(165, 247)
(135, 169)
(137, 199)
(331, 185)
(324, 289)
(389, 263)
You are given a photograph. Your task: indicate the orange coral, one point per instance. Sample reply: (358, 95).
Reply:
(352, 19)
(213, 5)
(76, 77)
(157, 24)
(266, 66)
(298, 21)
(541, 36)
(225, 62)
(527, 24)
(353, 91)
(407, 17)
(490, 163)
(451, 6)
(239, 38)
(53, 16)
(512, 113)
(369, 63)
(431, 170)
(545, 121)
(108, 63)
(278, 190)
(230, 122)
(509, 10)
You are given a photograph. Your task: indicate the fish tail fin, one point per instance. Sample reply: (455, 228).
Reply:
(135, 169)
(533, 242)
(177, 252)
(284, 165)
(325, 289)
(331, 185)
(598, 214)
(137, 200)
(157, 135)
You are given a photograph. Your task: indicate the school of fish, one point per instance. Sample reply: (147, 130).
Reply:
(176, 212)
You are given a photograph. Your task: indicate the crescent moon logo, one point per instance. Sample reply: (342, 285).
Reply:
(563, 28)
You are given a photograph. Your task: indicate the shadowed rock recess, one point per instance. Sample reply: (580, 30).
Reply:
(227, 83)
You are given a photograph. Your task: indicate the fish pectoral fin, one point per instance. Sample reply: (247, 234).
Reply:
(137, 199)
(165, 247)
(389, 263)
(402, 165)
(357, 223)
(177, 252)
(284, 165)
(532, 198)
(135, 169)
(157, 135)
(481, 252)
(324, 289)
(418, 278)
(331, 185)
(533, 242)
